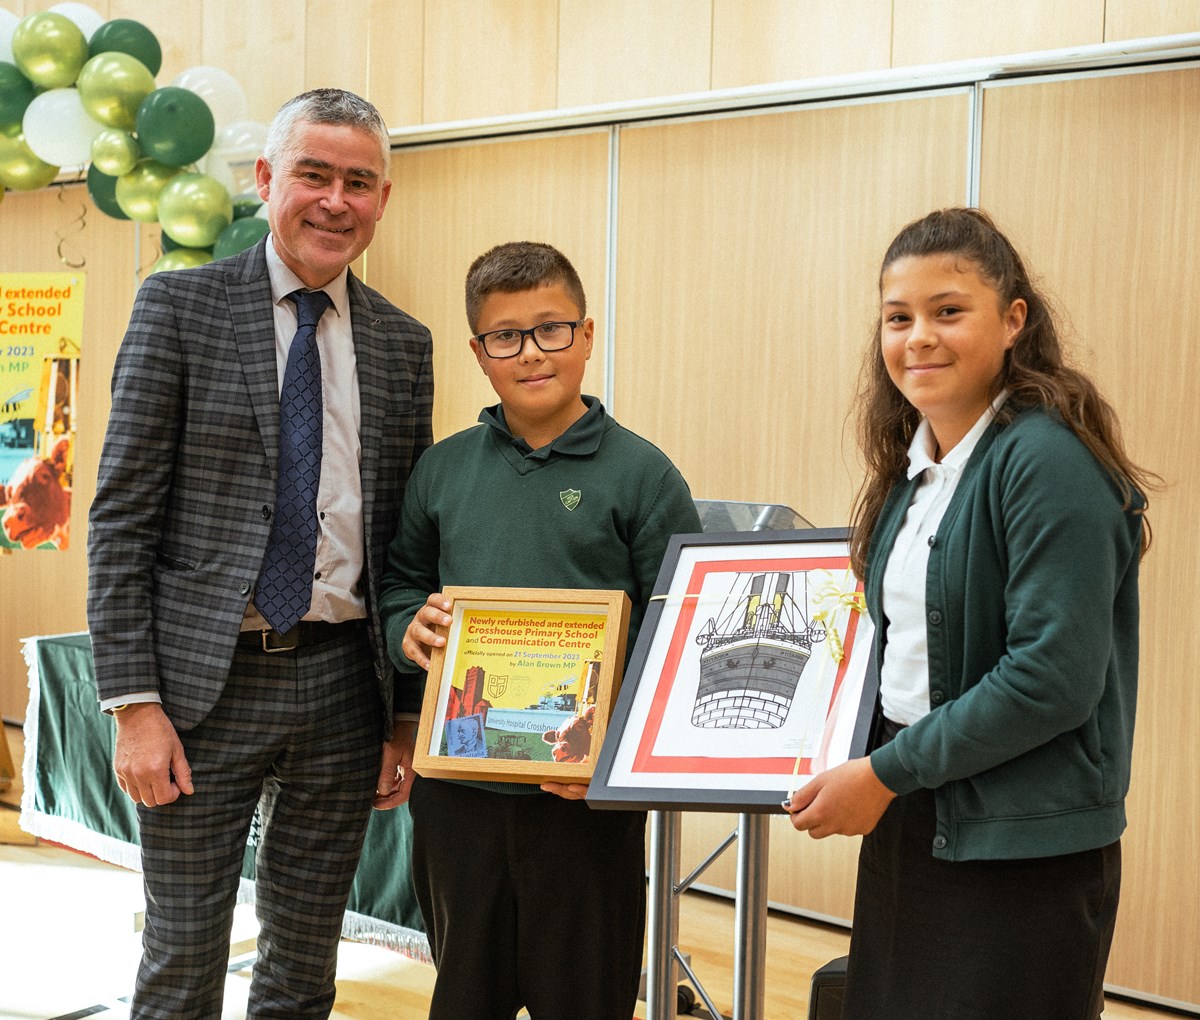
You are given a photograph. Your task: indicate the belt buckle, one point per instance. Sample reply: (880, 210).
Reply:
(288, 642)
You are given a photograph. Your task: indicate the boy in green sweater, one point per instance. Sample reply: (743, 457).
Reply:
(529, 898)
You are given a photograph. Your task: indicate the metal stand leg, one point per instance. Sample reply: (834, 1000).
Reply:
(750, 919)
(662, 919)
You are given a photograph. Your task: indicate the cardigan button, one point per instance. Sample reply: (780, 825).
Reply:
(931, 540)
(266, 512)
(245, 588)
(935, 617)
(939, 842)
(937, 697)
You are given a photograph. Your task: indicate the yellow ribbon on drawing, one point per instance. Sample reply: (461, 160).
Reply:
(830, 599)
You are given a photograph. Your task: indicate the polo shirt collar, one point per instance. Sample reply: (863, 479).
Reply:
(580, 440)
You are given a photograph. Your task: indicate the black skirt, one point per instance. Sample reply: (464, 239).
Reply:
(976, 940)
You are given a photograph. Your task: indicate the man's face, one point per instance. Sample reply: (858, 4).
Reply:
(324, 198)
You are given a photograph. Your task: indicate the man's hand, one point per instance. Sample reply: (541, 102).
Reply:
(846, 801)
(420, 638)
(149, 761)
(395, 770)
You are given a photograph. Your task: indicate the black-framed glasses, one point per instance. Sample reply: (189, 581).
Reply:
(549, 336)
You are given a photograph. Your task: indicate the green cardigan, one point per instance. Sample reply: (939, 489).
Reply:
(1032, 621)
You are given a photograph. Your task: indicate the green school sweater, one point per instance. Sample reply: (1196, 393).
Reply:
(1032, 623)
(482, 508)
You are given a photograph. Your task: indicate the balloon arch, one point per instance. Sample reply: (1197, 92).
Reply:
(76, 90)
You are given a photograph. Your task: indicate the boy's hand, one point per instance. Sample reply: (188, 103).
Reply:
(420, 639)
(568, 791)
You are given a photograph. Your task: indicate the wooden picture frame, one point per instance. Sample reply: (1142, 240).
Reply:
(753, 671)
(523, 688)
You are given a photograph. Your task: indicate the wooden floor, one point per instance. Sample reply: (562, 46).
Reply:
(69, 946)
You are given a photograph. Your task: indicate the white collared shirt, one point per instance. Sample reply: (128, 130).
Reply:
(904, 675)
(338, 574)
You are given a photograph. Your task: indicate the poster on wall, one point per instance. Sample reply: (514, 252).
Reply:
(41, 332)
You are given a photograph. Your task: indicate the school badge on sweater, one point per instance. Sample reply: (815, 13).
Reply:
(570, 498)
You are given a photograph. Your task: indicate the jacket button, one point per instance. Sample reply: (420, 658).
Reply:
(931, 540)
(266, 513)
(937, 697)
(939, 842)
(245, 588)
(935, 617)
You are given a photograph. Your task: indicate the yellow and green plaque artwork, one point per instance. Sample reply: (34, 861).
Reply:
(522, 691)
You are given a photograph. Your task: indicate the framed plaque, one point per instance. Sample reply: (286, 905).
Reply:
(524, 686)
(752, 672)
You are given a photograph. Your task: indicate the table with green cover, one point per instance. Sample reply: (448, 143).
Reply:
(71, 797)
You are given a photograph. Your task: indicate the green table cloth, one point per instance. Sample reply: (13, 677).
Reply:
(71, 797)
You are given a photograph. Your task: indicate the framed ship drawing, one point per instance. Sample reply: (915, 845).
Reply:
(751, 674)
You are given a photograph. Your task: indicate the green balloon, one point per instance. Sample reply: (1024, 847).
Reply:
(103, 189)
(175, 126)
(121, 35)
(111, 88)
(180, 258)
(240, 235)
(16, 93)
(243, 206)
(137, 191)
(20, 169)
(49, 49)
(115, 152)
(168, 243)
(194, 209)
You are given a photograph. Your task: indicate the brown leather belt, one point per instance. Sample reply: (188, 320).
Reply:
(304, 634)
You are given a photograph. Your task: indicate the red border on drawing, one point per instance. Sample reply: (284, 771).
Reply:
(645, 761)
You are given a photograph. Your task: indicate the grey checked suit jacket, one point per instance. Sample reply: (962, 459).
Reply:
(186, 485)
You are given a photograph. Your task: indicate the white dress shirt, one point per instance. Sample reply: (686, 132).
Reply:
(904, 675)
(338, 572)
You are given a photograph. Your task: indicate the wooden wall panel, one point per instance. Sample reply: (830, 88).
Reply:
(180, 32)
(449, 205)
(614, 50)
(935, 31)
(1111, 229)
(759, 41)
(814, 877)
(336, 50)
(45, 591)
(396, 51)
(743, 312)
(1134, 19)
(487, 58)
(261, 45)
(745, 285)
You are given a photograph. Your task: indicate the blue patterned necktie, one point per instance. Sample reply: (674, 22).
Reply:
(284, 590)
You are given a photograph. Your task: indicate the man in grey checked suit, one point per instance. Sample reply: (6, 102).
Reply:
(214, 708)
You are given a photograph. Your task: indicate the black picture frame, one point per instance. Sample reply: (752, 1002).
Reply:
(681, 736)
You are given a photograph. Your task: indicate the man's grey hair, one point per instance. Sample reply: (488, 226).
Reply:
(324, 106)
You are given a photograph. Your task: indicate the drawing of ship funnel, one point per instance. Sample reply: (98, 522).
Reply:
(754, 653)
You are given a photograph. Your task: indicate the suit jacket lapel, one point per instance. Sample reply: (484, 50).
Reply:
(370, 351)
(249, 290)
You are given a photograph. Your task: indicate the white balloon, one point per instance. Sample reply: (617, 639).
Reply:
(58, 129)
(217, 88)
(243, 137)
(84, 17)
(8, 25)
(233, 155)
